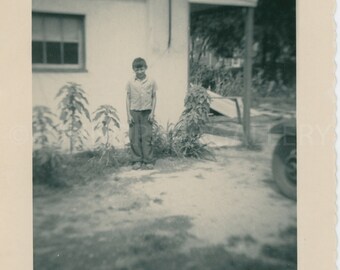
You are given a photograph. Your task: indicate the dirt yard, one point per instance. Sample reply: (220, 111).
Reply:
(184, 214)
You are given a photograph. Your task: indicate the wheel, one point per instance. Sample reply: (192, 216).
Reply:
(284, 166)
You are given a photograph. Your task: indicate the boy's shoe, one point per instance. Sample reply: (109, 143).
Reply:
(137, 166)
(149, 166)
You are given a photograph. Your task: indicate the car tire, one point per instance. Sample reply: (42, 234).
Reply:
(284, 166)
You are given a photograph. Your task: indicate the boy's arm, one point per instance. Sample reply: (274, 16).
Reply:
(152, 114)
(129, 117)
(153, 103)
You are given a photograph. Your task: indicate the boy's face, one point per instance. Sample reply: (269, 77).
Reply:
(140, 72)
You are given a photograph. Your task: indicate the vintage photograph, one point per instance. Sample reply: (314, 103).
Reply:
(164, 134)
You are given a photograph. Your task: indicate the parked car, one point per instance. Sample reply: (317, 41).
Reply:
(284, 162)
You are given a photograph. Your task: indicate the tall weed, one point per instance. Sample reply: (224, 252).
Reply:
(73, 109)
(47, 158)
(190, 127)
(106, 122)
(183, 138)
(164, 141)
(45, 130)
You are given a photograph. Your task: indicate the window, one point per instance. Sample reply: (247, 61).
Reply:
(57, 42)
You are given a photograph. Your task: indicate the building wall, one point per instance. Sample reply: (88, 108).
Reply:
(169, 61)
(117, 31)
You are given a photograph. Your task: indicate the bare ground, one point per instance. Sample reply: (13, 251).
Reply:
(184, 214)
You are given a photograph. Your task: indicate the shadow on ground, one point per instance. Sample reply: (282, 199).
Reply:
(161, 244)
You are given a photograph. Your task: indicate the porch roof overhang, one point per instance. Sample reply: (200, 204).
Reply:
(243, 3)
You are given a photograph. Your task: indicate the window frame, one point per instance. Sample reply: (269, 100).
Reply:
(45, 67)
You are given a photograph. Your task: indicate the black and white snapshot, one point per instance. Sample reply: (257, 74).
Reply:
(164, 134)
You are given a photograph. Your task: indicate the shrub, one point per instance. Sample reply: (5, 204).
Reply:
(47, 166)
(73, 108)
(163, 140)
(107, 121)
(44, 127)
(183, 139)
(47, 158)
(229, 82)
(195, 114)
(202, 75)
(189, 129)
(223, 81)
(85, 166)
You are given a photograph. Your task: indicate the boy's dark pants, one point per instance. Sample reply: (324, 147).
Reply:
(140, 133)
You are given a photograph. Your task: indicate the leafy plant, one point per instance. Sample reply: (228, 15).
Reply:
(183, 139)
(221, 80)
(190, 146)
(47, 158)
(195, 114)
(72, 108)
(163, 140)
(229, 82)
(44, 127)
(47, 165)
(107, 120)
(190, 127)
(204, 75)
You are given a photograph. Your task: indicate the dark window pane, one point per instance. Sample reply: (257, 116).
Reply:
(37, 52)
(53, 52)
(71, 53)
(56, 39)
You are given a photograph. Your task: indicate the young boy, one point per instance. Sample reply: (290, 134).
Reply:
(140, 106)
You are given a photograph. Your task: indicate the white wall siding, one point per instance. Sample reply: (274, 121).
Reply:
(169, 64)
(117, 31)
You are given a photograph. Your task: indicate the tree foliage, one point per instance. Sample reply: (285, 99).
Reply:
(218, 30)
(275, 22)
(221, 31)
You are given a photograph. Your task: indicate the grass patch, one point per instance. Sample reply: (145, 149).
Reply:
(57, 169)
(286, 252)
(235, 240)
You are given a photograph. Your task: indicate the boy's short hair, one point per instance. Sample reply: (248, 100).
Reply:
(138, 63)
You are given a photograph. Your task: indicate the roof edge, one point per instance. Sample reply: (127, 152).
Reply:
(243, 3)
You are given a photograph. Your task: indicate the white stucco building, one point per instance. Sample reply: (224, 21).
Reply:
(93, 43)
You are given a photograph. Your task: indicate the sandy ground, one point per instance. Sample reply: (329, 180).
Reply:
(184, 214)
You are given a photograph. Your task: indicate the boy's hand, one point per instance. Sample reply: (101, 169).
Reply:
(151, 117)
(130, 119)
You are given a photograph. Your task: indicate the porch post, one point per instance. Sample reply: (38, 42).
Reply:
(249, 30)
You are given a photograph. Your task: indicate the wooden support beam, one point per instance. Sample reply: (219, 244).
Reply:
(249, 31)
